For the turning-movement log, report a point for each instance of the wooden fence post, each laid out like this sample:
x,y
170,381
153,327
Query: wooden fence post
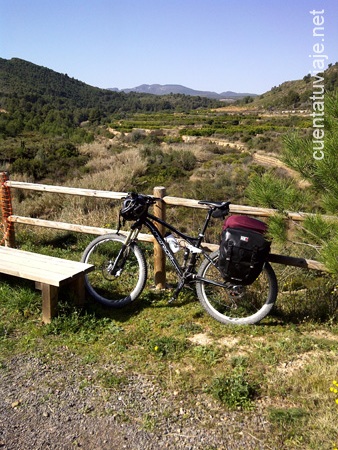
x,y
6,211
159,256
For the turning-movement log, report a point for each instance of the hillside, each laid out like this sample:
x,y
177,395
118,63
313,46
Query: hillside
x,y
296,93
27,87
20,77
45,115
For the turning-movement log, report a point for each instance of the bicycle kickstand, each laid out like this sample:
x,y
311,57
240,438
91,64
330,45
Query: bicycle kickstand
x,y
177,291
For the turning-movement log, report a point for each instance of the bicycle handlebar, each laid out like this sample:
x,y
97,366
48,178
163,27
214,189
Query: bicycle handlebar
x,y
220,209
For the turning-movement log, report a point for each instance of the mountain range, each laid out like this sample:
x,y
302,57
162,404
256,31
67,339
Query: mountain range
x,y
165,89
29,88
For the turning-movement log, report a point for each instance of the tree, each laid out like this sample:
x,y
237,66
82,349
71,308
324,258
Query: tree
x,y
322,174
320,169
292,98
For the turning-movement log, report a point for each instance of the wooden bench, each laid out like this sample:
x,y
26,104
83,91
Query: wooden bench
x,y
49,273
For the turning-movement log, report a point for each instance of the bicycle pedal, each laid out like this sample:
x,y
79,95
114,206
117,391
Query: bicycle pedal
x,y
173,298
190,287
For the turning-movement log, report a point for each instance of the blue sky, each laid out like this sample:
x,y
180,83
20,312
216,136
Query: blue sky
x,y
215,45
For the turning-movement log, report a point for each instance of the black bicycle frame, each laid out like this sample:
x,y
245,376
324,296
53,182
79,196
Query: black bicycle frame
x,y
195,242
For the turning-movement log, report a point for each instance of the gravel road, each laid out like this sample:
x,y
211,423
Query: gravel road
x,y
48,405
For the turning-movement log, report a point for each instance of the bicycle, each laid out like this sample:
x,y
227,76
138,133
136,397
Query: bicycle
x,y
121,270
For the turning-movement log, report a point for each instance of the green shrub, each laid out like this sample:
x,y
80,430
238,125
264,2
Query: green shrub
x,y
233,390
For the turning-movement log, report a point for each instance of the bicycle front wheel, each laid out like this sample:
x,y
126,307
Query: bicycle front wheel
x,y
118,287
232,304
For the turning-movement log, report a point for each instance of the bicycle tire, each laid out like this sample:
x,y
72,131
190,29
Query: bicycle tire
x,y
107,289
236,305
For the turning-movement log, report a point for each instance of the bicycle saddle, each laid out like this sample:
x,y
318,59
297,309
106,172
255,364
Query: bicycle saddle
x,y
219,205
221,209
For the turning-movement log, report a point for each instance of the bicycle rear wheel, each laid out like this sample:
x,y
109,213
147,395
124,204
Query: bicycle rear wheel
x,y
239,305
118,287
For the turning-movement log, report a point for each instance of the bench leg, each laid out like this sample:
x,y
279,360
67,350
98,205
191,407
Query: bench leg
x,y
49,301
79,291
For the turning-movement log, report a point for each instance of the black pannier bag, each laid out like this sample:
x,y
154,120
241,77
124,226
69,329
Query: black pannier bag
x,y
243,249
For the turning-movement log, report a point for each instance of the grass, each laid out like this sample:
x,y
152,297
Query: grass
x,y
281,369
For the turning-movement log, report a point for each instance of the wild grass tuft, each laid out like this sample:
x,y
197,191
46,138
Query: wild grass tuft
x,y
234,390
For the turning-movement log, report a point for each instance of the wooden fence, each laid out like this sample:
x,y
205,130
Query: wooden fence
x,y
9,219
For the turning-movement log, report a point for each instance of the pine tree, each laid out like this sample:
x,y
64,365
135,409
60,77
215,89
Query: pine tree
x,y
323,175
322,172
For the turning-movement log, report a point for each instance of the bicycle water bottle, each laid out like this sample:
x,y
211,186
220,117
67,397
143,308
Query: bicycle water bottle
x,y
172,242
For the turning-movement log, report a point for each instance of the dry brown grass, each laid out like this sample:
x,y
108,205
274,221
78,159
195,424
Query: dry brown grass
x,y
108,171
111,171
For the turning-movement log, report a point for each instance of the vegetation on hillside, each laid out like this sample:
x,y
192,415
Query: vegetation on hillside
x,y
45,115
297,94
35,98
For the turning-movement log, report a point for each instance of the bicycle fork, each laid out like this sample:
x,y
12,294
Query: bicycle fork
x,y
115,268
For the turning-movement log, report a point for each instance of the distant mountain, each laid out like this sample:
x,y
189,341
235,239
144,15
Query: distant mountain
x,y
166,89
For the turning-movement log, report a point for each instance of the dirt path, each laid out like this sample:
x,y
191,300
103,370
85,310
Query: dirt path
x,y
47,404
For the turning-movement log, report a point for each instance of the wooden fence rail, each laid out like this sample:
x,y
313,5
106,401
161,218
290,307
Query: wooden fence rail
x,y
9,219
160,192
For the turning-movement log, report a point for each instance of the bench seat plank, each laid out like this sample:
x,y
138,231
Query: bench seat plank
x,y
40,274
60,265
41,268
48,272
